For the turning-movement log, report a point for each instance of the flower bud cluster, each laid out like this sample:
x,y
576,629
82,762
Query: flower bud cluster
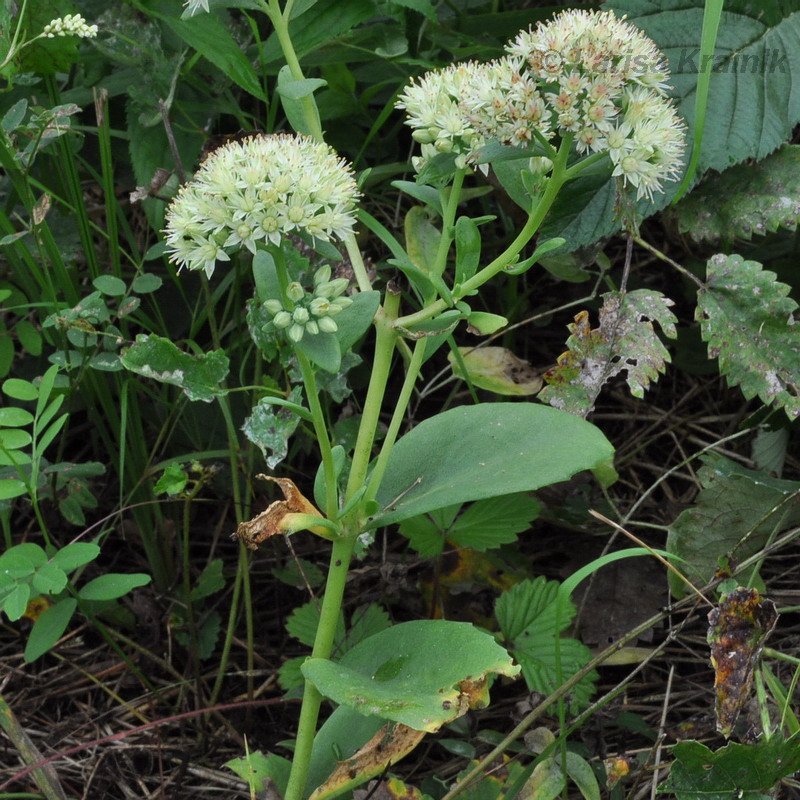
x,y
71,25
585,73
309,312
259,189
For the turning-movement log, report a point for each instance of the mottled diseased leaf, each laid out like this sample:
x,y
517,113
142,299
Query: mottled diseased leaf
x,y
737,630
625,341
270,427
198,376
391,743
531,621
497,369
735,513
739,771
745,199
751,325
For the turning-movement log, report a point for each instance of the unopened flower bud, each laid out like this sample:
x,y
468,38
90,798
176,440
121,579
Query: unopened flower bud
x,y
300,316
331,288
273,306
282,319
295,292
322,275
312,327
327,325
319,306
295,333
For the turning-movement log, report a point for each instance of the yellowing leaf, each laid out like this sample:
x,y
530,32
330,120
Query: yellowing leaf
x,y
498,370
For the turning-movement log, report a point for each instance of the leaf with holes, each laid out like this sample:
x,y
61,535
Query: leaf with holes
x,y
751,325
625,341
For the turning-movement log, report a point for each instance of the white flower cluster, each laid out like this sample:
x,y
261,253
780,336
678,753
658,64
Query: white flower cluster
x,y
259,189
310,312
71,25
584,73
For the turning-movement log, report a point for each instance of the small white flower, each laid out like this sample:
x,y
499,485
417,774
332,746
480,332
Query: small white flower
x,y
196,6
71,25
261,188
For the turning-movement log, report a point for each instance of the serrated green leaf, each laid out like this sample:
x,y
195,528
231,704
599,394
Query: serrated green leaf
x,y
624,341
755,64
303,621
531,620
210,37
743,771
494,522
158,358
298,573
735,513
270,427
210,580
366,621
745,199
172,480
423,535
751,325
48,628
290,675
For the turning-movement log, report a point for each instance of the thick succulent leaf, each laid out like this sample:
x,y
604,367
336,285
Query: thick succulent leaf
x,y
745,199
487,450
624,341
751,325
422,674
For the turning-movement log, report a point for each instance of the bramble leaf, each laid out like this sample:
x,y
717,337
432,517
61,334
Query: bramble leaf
x,y
735,513
745,199
743,771
625,340
751,325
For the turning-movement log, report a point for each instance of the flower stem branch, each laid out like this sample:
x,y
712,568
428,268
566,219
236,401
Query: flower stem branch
x,y
556,180
323,645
